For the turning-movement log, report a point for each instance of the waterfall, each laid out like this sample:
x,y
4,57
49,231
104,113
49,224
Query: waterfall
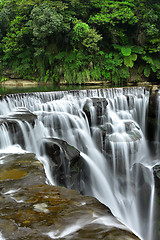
x,y
108,127
158,128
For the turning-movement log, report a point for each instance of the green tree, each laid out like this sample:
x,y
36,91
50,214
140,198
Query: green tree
x,y
115,17
16,46
148,30
85,37
45,21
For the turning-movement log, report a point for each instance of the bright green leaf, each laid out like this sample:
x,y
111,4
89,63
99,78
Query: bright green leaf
x,y
126,51
133,57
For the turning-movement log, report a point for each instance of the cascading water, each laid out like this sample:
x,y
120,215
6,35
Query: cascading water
x,y
158,128
108,128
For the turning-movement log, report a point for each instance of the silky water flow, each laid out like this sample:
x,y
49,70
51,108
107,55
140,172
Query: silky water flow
x,y
108,127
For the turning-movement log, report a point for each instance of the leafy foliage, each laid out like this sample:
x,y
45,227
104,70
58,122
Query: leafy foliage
x,y
85,37
77,41
45,21
126,51
114,12
129,60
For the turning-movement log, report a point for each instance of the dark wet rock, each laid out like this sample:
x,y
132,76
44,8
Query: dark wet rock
x,y
98,102
130,101
131,134
68,167
107,128
86,109
143,180
152,118
19,114
16,121
129,125
145,187
156,171
29,209
99,105
22,114
100,135
71,152
153,105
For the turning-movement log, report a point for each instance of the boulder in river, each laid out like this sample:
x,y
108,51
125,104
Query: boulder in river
x,y
99,105
68,167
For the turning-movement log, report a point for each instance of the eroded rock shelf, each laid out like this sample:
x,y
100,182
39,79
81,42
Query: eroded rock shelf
x,y
30,209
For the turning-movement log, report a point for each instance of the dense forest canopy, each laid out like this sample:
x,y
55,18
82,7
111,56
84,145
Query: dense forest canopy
x,y
79,41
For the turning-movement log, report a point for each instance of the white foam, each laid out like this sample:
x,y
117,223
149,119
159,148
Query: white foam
x,y
108,221
1,237
12,191
14,149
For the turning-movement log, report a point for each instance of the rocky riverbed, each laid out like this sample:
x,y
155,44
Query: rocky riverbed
x,y
31,209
